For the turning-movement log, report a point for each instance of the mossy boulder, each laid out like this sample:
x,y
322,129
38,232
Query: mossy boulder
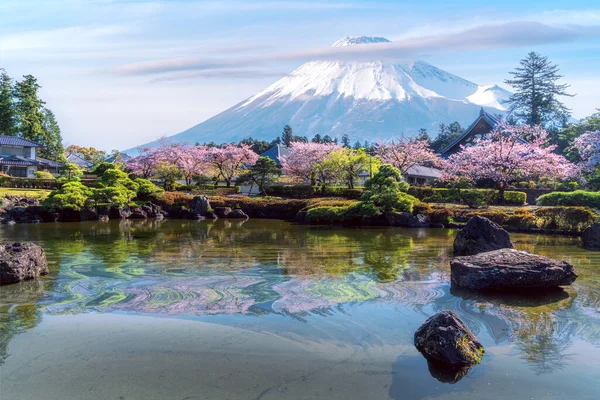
x,y
446,340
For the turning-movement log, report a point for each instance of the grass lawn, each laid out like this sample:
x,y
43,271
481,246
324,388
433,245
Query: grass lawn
x,y
40,193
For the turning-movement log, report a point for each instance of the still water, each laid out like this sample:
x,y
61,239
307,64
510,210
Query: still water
x,y
270,310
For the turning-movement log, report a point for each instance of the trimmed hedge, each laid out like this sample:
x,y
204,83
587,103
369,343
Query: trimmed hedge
x,y
308,191
351,214
444,195
578,198
29,183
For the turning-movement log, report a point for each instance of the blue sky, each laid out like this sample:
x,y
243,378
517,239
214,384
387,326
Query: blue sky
x,y
118,73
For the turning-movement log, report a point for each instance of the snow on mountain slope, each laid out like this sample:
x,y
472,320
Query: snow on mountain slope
x,y
366,100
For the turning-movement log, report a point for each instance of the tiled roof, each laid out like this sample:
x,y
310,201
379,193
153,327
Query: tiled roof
x,y
76,159
18,160
49,163
275,152
420,170
17,141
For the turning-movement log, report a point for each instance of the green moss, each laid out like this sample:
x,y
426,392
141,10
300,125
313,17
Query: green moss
x,y
464,346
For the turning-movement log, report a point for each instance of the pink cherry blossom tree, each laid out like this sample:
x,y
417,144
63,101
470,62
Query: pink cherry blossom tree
x,y
504,157
145,163
587,147
191,160
406,153
305,161
229,160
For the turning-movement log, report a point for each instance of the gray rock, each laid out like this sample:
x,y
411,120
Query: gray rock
x,y
200,205
237,213
510,269
591,236
445,339
480,235
222,212
407,220
21,261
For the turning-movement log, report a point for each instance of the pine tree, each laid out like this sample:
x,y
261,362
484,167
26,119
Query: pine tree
x,y
423,135
327,139
357,145
536,91
53,148
7,107
287,136
317,139
345,141
29,109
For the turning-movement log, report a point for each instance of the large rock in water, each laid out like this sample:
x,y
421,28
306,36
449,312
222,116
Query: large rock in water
x,y
200,205
21,261
445,339
510,269
591,236
480,235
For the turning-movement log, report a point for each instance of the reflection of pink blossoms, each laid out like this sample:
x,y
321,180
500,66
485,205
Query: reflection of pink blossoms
x,y
404,154
304,158
588,148
505,157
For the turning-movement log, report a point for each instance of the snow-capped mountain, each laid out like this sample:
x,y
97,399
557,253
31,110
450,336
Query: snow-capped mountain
x,y
366,100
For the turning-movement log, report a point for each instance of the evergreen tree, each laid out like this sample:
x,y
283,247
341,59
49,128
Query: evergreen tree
x,y
357,145
536,91
327,139
345,141
7,108
53,148
446,134
287,136
34,121
29,109
423,135
317,139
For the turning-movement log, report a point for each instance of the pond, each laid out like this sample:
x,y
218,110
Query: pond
x,y
266,309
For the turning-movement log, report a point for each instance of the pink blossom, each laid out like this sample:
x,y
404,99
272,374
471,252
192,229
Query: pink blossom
x,y
304,159
406,153
588,148
505,157
145,163
228,161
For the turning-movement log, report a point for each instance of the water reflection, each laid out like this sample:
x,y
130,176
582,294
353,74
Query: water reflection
x,y
257,268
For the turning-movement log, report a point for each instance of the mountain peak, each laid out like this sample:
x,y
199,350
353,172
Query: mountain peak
x,y
352,40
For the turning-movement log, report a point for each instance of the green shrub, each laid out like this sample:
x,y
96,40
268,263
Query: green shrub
x,y
440,215
515,198
452,195
565,219
294,192
148,190
421,208
495,216
44,175
473,198
118,195
326,215
387,191
579,198
72,195
348,214
522,219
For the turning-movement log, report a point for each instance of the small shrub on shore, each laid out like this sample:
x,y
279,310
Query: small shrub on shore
x,y
73,195
565,219
578,198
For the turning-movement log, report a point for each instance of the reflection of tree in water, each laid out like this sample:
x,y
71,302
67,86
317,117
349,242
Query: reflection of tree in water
x,y
541,324
18,311
543,342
